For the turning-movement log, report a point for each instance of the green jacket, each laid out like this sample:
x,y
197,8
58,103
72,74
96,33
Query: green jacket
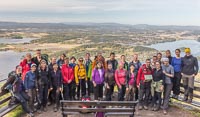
x,y
89,70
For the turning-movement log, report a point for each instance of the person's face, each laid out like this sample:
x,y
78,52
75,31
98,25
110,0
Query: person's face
x,y
177,53
33,68
53,60
187,53
43,64
148,63
55,67
121,66
154,59
135,57
168,54
166,62
110,66
28,57
159,56
99,65
38,53
66,61
19,70
87,56
112,56
157,65
62,57
132,68
123,58
80,61
73,60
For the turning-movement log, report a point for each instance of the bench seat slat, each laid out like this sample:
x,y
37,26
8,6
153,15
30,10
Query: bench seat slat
x,y
98,109
7,109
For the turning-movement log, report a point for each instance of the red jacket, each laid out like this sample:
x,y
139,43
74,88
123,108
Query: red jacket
x,y
143,71
25,67
120,77
67,73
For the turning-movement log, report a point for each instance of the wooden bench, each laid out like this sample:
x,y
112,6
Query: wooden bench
x,y
114,108
5,97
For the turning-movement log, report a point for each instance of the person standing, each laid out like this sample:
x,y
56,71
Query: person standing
x,y
38,57
168,71
144,84
169,56
88,67
120,79
109,82
60,61
73,86
112,61
189,70
159,57
26,65
80,78
98,75
176,63
30,84
56,85
68,77
137,65
123,60
131,83
43,82
157,86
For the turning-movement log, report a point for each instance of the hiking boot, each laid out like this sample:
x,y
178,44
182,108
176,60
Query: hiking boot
x,y
45,109
39,111
49,104
145,107
185,99
55,109
189,101
157,108
164,112
140,107
176,97
30,115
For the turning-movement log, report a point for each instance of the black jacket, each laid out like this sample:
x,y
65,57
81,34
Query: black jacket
x,y
110,77
56,79
43,77
189,65
114,63
158,75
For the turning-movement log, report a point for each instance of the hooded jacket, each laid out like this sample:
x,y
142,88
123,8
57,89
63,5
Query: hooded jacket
x,y
80,72
25,67
189,65
142,72
96,77
67,73
120,77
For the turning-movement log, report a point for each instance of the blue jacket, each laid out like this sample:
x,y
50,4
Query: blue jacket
x,y
30,80
176,63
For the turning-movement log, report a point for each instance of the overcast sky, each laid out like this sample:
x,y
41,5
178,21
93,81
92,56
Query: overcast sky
x,y
158,12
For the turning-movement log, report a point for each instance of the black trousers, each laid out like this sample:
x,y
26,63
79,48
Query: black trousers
x,y
176,83
157,96
67,91
43,92
121,93
109,92
90,88
56,96
98,91
22,98
144,93
81,87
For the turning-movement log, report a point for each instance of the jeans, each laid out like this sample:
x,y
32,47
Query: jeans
x,y
121,93
32,96
157,97
176,83
56,95
22,98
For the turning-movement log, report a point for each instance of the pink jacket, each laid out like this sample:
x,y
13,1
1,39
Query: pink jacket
x,y
120,77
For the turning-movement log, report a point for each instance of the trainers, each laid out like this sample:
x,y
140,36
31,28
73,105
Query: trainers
x,y
55,109
157,108
140,107
49,103
164,112
30,115
176,97
39,111
185,99
145,107
45,109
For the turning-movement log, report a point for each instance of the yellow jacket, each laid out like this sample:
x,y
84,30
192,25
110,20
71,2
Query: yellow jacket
x,y
80,73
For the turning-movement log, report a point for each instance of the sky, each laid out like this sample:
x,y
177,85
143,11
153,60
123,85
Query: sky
x,y
154,12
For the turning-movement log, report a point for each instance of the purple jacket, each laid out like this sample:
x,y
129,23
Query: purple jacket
x,y
96,76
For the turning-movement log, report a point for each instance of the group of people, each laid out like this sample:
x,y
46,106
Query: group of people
x,y
34,79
